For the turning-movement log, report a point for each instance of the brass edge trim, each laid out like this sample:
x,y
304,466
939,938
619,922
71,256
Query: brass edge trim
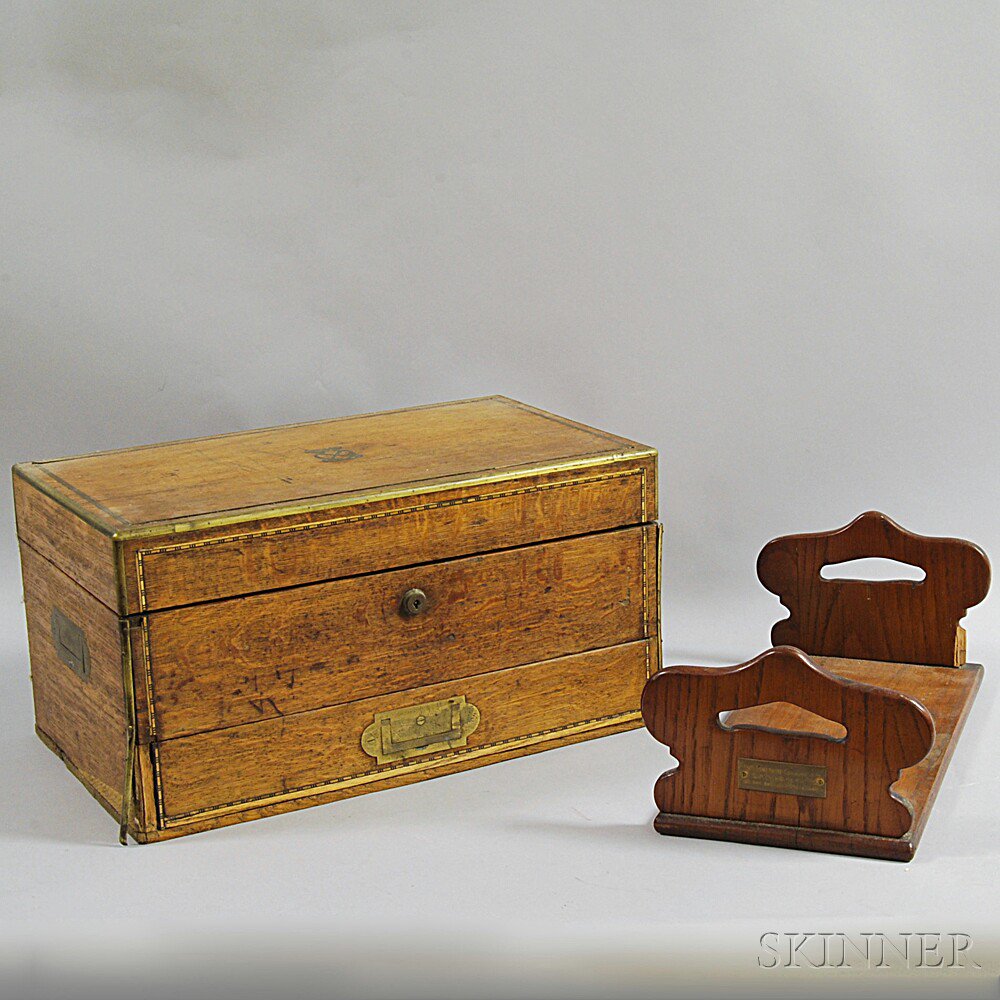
x,y
333,501
538,487
376,774
354,518
569,422
128,693
659,596
629,449
264,430
121,584
645,590
109,514
517,404
31,476
85,779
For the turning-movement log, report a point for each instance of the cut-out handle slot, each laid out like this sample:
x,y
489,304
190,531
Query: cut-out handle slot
x,y
866,736
783,719
836,609
873,570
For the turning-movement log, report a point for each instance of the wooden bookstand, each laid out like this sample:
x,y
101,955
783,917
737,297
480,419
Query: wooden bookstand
x,y
866,688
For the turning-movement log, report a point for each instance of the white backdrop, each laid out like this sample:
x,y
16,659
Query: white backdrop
x,y
763,238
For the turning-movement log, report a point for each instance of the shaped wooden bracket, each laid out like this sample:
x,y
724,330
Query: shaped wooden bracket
x,y
758,773
898,620
839,742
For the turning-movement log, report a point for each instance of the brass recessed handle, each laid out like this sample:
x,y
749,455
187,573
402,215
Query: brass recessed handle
x,y
413,730
414,603
71,644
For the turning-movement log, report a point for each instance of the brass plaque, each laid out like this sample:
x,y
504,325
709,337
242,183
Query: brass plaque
x,y
419,729
71,644
782,778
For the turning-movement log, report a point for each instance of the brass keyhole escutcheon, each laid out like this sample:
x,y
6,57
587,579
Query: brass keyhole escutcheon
x,y
414,602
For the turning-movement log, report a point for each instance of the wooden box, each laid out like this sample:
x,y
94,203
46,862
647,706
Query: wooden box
x,y
230,627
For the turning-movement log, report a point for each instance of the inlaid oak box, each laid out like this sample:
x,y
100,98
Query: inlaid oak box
x,y
231,627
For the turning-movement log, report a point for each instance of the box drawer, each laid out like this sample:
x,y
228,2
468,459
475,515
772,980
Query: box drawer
x,y
216,563
217,626
317,756
270,655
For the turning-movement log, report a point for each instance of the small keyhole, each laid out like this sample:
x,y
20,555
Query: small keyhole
x,y
413,603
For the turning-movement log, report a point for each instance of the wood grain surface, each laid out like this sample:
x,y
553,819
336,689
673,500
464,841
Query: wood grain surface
x,y
900,620
886,732
801,838
366,535
326,793
181,480
289,762
82,719
253,582
288,651
79,549
946,693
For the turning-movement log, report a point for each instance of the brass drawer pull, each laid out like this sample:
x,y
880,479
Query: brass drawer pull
x,y
420,729
414,603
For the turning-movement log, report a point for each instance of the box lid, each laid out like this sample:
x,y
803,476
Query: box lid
x,y
306,465
284,478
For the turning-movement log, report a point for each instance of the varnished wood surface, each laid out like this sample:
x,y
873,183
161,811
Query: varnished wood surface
x,y
244,567
439,768
898,621
947,694
886,732
83,552
285,763
83,718
795,837
887,665
182,480
288,651
101,793
264,554
781,717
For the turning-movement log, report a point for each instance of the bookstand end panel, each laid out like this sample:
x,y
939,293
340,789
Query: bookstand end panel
x,y
835,741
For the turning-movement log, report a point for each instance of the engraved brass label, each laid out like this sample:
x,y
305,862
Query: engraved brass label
x,y
420,729
335,454
782,778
